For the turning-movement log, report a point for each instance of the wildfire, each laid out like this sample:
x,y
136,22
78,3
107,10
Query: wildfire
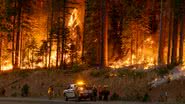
x,y
72,24
7,67
74,19
145,60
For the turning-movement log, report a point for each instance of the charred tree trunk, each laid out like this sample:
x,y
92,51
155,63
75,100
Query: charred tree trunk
x,y
58,49
46,54
181,40
18,34
51,34
104,35
58,43
21,46
131,50
160,53
137,45
13,39
174,36
174,42
84,32
169,34
50,49
63,36
32,58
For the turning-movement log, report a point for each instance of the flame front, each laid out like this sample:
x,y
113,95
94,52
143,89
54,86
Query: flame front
x,y
146,58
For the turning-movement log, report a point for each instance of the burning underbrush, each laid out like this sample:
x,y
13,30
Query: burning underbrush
x,y
144,57
43,57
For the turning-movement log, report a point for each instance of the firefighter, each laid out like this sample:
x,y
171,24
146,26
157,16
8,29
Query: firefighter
x,y
2,91
50,92
100,95
105,93
94,93
163,95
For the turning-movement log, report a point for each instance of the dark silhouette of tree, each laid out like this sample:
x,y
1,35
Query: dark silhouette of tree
x,y
182,15
160,48
104,34
170,32
176,5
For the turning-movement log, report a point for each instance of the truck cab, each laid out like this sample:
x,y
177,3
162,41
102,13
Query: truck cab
x,y
77,92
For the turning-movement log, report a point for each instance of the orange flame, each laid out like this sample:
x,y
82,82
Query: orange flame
x,y
74,19
6,66
146,59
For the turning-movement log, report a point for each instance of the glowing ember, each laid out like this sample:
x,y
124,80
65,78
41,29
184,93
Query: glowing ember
x,y
7,67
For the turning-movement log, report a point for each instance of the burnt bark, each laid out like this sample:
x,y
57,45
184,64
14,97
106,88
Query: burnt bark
x,y
181,40
160,48
17,51
63,36
58,39
51,34
174,40
169,34
13,39
104,36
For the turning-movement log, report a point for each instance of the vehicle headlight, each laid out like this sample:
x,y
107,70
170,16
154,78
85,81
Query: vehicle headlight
x,y
81,88
80,83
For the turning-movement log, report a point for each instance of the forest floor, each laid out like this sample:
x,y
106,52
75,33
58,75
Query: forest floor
x,y
128,85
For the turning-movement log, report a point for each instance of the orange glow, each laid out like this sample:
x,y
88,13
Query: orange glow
x,y
145,60
7,67
38,32
80,82
74,19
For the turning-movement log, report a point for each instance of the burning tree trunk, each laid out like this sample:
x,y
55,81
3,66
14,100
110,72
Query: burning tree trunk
x,y
18,34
